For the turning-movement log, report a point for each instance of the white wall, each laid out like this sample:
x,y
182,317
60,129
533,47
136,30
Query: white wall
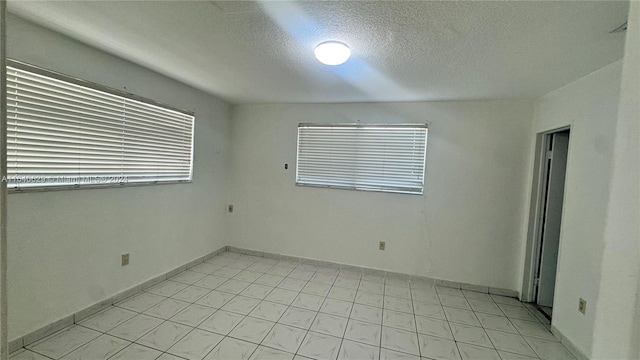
x,y
589,105
467,227
65,246
617,322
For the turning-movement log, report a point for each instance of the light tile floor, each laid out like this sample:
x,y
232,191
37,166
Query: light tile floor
x,y
237,306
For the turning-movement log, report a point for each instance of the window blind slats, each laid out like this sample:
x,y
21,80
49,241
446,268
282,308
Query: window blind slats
x,y
375,158
72,121
27,108
102,149
63,134
85,138
92,98
44,128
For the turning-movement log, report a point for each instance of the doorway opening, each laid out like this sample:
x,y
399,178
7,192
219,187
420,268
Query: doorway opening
x,y
546,219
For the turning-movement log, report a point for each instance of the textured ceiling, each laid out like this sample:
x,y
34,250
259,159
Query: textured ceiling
x,y
247,52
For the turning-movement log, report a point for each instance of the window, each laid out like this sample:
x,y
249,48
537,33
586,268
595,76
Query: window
x,y
64,132
388,158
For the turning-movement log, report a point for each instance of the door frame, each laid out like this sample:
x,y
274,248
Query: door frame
x,y
4,348
536,211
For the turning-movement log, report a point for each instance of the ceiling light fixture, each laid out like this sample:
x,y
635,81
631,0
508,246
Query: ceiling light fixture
x,y
332,52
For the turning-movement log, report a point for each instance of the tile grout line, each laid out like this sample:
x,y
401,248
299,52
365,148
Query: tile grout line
x,y
348,316
290,306
493,347
318,312
415,321
384,291
314,318
326,296
276,322
191,303
483,329
245,316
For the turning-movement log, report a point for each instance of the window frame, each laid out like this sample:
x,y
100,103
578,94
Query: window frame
x,y
361,125
95,86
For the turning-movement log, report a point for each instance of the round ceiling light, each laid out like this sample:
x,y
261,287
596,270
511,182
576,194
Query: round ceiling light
x,y
332,52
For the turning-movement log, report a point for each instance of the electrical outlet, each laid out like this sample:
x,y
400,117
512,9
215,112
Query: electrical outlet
x,y
230,208
381,246
582,305
125,259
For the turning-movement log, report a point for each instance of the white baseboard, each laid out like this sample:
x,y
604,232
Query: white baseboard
x,y
367,270
568,344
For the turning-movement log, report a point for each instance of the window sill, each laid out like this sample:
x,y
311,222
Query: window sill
x,y
92,187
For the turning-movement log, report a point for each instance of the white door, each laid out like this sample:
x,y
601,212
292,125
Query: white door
x,y
550,240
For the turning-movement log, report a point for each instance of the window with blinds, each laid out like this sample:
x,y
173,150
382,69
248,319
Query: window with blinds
x,y
63,132
388,158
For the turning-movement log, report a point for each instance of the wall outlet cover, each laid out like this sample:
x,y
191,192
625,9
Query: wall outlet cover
x,y
230,208
582,305
125,259
382,245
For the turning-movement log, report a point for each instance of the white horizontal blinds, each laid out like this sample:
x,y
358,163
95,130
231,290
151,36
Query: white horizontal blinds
x,y
378,158
63,134
157,143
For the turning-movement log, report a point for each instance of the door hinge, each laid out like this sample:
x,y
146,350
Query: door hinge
x,y
536,281
549,155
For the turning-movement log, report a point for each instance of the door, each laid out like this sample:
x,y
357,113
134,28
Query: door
x,y
556,166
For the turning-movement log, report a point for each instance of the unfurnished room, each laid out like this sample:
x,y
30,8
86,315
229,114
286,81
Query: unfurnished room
x,y
319,180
